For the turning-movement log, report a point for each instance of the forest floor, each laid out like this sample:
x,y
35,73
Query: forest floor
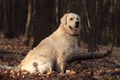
x,y
12,51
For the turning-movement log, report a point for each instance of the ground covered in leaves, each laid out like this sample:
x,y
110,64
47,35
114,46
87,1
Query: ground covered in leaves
x,y
12,51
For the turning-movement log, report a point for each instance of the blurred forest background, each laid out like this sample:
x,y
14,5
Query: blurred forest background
x,y
24,23
39,18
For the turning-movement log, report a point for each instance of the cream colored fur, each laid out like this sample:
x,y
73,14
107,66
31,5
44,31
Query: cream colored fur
x,y
53,51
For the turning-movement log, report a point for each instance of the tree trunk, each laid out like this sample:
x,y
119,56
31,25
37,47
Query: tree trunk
x,y
92,35
28,23
1,15
8,29
43,20
21,16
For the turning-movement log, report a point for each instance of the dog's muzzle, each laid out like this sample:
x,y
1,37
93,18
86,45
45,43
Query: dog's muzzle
x,y
76,27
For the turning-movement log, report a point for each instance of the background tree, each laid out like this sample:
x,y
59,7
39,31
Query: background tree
x,y
43,19
1,14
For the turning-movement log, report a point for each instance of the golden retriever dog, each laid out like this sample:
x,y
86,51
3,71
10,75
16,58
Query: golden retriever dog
x,y
54,51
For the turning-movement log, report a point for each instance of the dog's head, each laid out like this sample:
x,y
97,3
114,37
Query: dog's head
x,y
71,23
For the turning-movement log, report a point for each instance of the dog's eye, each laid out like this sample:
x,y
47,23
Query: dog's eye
x,y
77,19
71,18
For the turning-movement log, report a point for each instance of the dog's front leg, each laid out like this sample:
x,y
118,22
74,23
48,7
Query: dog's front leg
x,y
61,64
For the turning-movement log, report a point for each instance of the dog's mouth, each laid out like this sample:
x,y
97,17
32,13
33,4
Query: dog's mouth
x,y
75,28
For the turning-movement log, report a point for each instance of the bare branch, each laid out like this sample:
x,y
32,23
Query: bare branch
x,y
89,55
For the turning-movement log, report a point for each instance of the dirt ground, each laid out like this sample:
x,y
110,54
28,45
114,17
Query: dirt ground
x,y
12,51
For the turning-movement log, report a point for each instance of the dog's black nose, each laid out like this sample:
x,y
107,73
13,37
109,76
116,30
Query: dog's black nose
x,y
77,24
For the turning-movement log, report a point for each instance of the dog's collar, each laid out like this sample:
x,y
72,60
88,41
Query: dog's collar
x,y
63,29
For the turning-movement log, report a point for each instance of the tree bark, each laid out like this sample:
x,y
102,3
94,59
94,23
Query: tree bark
x,y
88,55
30,17
43,20
1,15
28,23
92,35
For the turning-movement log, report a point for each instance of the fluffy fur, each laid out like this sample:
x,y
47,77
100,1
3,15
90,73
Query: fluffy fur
x,y
54,51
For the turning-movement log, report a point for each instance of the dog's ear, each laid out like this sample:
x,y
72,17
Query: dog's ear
x,y
64,19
